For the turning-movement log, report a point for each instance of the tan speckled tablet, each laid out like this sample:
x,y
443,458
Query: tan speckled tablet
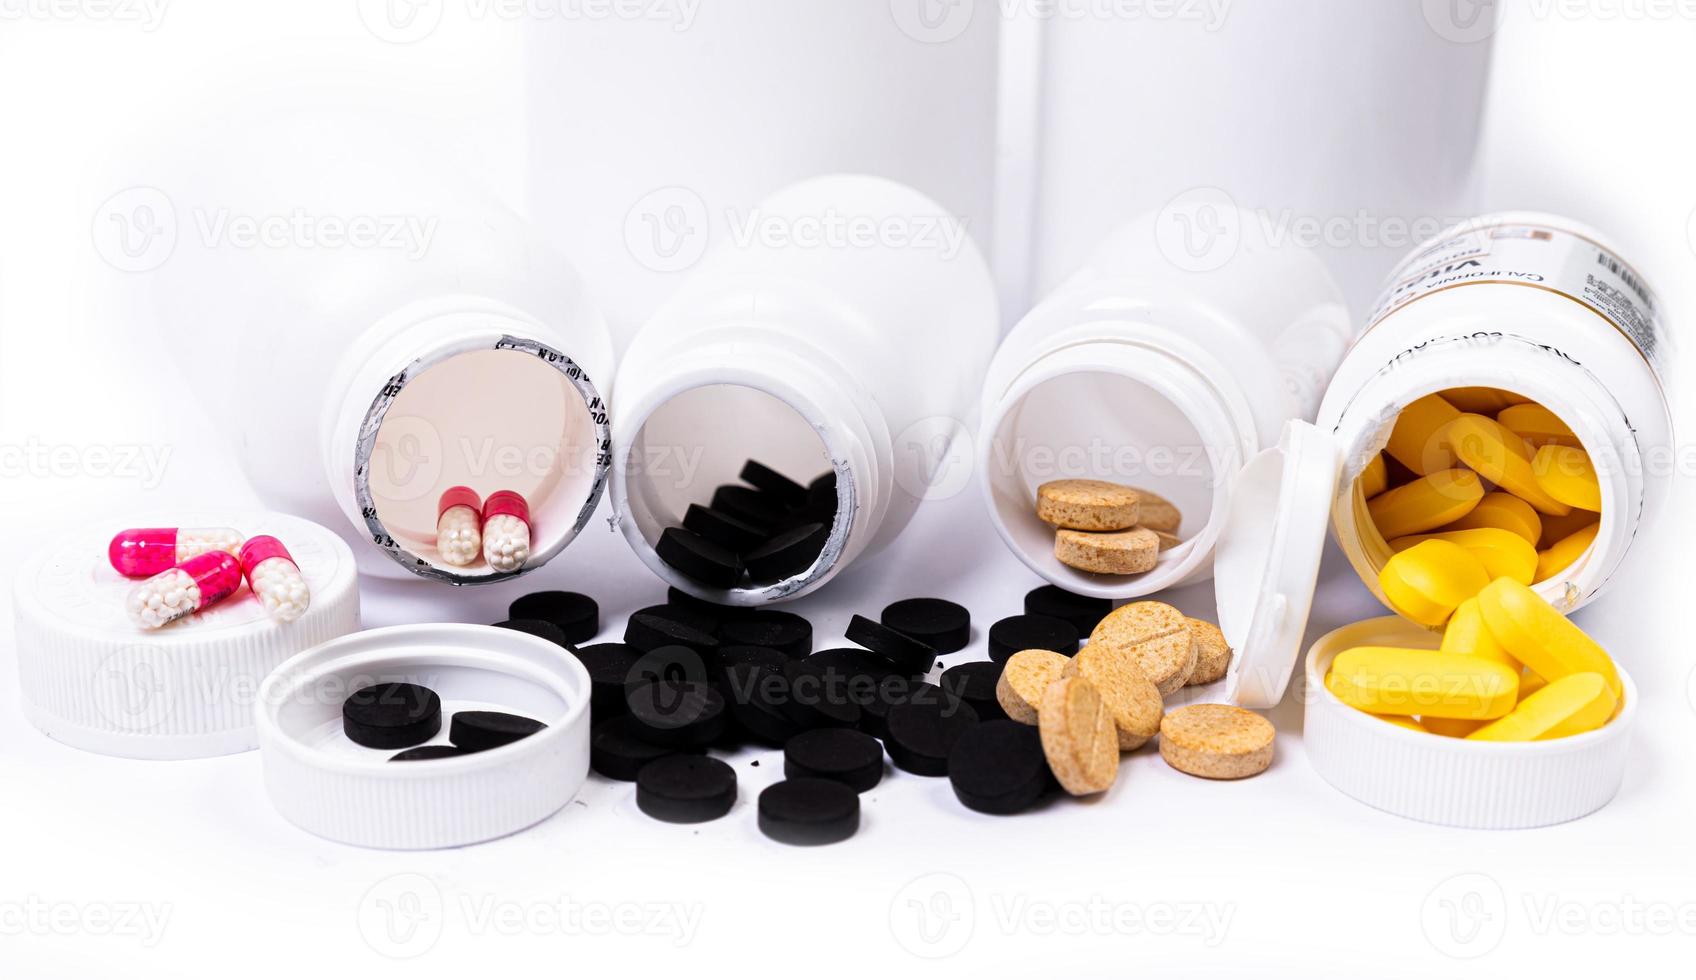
x,y
1168,540
1111,553
1156,512
1087,505
1078,737
1212,653
1128,693
1157,636
1216,741
1024,679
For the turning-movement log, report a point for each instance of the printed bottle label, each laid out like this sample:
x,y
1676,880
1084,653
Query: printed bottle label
x,y
1536,255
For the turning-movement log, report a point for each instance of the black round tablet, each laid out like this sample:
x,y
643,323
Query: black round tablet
x,y
751,505
421,753
577,615
477,731
700,559
891,691
998,767
619,748
1009,636
788,553
1082,611
774,484
852,758
711,612
539,628
778,630
974,683
743,655
681,713
724,529
809,811
821,498
817,700
395,715
945,626
921,734
759,699
909,656
609,666
673,664
650,630
829,688
686,789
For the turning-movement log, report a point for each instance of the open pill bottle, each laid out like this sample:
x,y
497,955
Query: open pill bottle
x,y
1175,355
397,334
1512,309
856,352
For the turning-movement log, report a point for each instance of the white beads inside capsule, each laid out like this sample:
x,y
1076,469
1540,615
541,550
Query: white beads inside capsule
x,y
459,536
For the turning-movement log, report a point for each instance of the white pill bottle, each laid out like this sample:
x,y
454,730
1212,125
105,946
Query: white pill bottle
x,y
396,334
1531,304
1172,357
847,333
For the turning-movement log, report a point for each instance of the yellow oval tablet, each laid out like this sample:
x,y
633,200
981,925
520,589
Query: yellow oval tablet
x,y
1568,475
1559,556
1541,638
1427,581
1484,401
1417,441
1537,425
1400,681
1557,529
1467,636
1576,703
1452,727
1530,682
1375,479
1503,458
1502,552
1425,504
1501,509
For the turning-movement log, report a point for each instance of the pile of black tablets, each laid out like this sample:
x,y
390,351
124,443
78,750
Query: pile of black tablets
x,y
763,530
400,715
690,677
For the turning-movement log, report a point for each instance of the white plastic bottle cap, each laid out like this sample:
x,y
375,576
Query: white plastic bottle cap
x,y
327,784
1265,574
92,679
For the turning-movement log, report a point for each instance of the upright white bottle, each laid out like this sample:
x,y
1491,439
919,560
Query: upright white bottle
x,y
1165,363
857,318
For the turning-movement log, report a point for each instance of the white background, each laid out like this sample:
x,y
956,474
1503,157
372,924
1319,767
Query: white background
x,y
1588,114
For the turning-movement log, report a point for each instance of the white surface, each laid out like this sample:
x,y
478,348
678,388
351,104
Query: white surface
x,y
1310,882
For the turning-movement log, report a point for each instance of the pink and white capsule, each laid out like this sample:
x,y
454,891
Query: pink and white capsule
x,y
459,526
506,531
186,588
138,552
275,578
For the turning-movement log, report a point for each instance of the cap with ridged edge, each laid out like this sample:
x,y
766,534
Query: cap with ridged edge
x,y
94,680
324,783
1455,782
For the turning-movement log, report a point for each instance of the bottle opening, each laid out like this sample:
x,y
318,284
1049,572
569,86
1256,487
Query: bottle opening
x,y
1480,459
730,493
1102,425
517,418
